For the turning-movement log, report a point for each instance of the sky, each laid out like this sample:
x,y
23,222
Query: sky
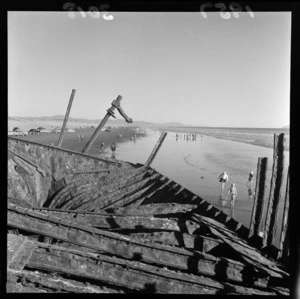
x,y
167,66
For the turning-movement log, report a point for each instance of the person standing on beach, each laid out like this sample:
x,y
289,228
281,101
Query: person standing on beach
x,y
223,178
102,146
232,192
251,175
78,138
113,149
82,137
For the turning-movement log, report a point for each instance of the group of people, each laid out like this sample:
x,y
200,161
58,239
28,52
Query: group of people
x,y
232,191
80,138
187,137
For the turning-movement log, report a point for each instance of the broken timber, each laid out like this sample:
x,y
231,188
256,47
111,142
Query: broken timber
x,y
258,205
156,149
61,136
275,189
78,223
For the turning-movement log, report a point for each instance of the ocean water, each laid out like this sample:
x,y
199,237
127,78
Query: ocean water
x,y
197,164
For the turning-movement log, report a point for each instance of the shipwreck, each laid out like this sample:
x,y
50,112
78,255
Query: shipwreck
x,y
78,223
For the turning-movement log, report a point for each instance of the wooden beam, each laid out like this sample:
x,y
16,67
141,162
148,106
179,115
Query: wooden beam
x,y
283,244
275,189
110,112
66,119
258,204
156,149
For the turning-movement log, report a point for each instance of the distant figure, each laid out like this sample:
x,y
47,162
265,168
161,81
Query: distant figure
x,y
78,138
232,192
102,146
82,137
251,193
223,178
251,175
113,149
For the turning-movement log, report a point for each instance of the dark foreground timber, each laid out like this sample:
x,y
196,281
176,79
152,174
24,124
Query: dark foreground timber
x,y
81,224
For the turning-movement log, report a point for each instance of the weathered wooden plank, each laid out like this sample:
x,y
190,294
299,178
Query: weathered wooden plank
x,y
129,274
102,200
114,180
115,221
19,250
275,189
61,136
152,209
246,252
129,193
156,149
258,204
130,248
283,244
114,274
198,242
130,196
55,283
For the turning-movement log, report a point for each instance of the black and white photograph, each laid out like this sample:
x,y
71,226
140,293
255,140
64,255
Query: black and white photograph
x,y
149,151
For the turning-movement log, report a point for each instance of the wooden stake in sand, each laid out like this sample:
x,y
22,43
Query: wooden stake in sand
x,y
156,149
258,204
283,244
66,119
275,189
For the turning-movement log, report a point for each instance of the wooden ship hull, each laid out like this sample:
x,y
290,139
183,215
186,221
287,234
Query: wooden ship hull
x,y
78,223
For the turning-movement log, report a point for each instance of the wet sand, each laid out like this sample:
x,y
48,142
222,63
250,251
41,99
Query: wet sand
x,y
260,137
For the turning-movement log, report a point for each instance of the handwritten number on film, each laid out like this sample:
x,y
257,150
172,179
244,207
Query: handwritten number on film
x,y
93,11
235,7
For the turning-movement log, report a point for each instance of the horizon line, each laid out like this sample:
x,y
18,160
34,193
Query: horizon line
x,y
180,124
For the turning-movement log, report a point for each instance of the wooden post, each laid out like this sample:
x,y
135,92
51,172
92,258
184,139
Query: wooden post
x,y
156,148
283,244
66,119
258,204
109,113
275,189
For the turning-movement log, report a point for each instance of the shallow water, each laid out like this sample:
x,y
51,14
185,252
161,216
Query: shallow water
x,y
197,164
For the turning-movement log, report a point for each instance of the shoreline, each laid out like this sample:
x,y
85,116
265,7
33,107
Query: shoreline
x,y
258,139
71,142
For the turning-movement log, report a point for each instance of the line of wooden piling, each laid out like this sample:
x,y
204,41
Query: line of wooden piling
x,y
258,204
66,119
275,189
